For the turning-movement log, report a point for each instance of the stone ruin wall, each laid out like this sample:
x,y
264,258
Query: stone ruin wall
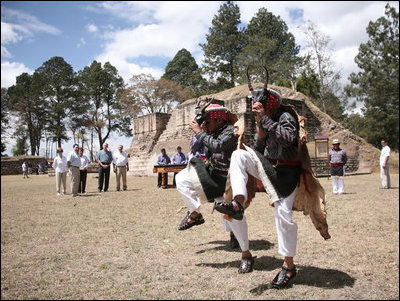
x,y
175,130
13,165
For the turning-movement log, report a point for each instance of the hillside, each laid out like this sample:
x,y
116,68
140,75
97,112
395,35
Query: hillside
x,y
355,146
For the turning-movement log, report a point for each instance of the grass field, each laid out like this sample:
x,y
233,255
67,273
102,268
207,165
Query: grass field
x,y
125,245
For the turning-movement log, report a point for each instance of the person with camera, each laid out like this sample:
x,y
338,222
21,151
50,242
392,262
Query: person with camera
x,y
205,176
273,161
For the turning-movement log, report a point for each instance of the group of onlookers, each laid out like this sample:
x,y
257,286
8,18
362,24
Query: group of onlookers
x,y
76,163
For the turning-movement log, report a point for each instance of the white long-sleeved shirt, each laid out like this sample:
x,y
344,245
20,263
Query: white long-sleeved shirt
x,y
60,164
385,152
84,162
120,158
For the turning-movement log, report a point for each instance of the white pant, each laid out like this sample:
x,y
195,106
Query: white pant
x,y
240,229
385,177
186,188
338,184
243,164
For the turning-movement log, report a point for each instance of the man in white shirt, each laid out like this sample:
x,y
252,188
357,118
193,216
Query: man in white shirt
x,y
384,164
24,170
121,167
74,163
60,168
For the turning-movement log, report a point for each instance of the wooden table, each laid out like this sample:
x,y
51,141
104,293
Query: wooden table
x,y
165,169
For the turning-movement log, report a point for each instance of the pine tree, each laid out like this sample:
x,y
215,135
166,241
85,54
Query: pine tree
x,y
268,43
224,43
377,84
184,70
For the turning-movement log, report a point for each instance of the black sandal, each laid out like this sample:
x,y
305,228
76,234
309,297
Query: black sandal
x,y
227,208
246,266
198,220
282,279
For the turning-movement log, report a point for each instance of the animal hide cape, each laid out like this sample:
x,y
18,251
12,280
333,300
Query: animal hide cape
x,y
310,195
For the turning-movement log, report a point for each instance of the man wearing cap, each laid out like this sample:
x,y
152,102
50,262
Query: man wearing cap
x,y
274,161
205,176
337,159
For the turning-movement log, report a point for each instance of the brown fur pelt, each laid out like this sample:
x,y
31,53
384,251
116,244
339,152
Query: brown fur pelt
x,y
310,195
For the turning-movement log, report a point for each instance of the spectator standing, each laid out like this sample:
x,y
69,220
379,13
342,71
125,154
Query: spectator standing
x,y
163,159
337,158
74,163
83,170
121,167
178,158
104,158
384,164
25,170
60,169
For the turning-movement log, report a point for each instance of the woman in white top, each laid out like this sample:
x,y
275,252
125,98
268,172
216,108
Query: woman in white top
x,y
60,168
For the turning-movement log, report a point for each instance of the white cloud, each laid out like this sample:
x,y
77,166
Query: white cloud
x,y
81,42
175,25
91,28
165,27
23,26
10,71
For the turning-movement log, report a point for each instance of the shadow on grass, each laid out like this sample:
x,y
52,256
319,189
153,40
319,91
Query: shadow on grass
x,y
312,276
262,263
255,245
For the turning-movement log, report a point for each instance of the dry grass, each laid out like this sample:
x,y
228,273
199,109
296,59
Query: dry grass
x,y
125,245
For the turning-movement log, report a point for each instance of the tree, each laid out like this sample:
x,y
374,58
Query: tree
x,y
20,148
184,70
268,43
147,95
4,117
57,83
100,89
308,83
29,109
322,62
224,43
377,84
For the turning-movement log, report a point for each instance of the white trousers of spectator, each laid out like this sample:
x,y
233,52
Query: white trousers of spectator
x,y
242,164
61,178
338,184
75,176
189,195
385,177
121,172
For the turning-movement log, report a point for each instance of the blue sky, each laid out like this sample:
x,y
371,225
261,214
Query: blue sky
x,y
143,36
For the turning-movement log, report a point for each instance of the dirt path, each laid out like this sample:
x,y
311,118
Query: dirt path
x,y
125,245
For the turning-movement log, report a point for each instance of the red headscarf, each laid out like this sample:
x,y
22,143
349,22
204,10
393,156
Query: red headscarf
x,y
216,111
274,101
